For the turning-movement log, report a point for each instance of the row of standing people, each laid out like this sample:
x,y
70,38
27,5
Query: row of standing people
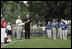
x,y
6,29
57,29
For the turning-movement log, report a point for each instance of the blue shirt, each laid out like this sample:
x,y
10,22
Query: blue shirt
x,y
49,26
64,27
60,24
54,24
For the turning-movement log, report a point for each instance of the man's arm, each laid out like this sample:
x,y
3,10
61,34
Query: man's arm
x,y
27,21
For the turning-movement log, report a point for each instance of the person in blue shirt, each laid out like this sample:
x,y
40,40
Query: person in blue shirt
x,y
64,30
54,25
60,23
49,30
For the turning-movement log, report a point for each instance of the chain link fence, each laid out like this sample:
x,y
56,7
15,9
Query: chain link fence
x,y
38,31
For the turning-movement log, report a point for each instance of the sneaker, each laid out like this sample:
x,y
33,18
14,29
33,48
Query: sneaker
x,y
10,40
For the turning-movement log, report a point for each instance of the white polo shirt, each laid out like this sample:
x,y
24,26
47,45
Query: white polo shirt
x,y
8,27
19,22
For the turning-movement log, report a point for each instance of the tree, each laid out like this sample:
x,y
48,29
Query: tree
x,y
51,9
11,9
45,10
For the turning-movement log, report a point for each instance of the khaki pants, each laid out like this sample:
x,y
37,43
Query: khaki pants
x,y
18,31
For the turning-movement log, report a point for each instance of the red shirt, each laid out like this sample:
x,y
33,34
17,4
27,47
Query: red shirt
x,y
3,24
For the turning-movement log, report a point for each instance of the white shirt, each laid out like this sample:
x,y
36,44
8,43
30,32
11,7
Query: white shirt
x,y
8,27
19,22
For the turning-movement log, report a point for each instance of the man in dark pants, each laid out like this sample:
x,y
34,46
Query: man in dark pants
x,y
27,27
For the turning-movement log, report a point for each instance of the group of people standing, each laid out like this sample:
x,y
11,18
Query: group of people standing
x,y
19,27
57,29
54,29
6,29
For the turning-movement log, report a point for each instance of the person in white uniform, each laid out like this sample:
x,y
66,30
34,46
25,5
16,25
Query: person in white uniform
x,y
60,23
64,31
49,30
54,25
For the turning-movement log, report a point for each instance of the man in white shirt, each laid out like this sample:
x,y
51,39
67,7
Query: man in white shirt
x,y
19,27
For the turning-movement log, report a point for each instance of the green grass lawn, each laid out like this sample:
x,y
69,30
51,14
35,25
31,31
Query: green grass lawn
x,y
40,42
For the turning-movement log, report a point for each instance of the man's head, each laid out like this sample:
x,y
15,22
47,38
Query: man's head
x,y
48,22
61,19
53,20
27,15
18,17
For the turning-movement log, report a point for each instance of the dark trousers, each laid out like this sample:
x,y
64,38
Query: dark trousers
x,y
27,34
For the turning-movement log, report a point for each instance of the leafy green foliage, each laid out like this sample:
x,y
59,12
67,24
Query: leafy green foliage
x,y
45,10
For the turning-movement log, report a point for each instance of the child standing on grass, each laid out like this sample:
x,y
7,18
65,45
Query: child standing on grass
x,y
9,33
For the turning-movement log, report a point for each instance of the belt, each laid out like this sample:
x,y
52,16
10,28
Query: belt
x,y
19,25
3,27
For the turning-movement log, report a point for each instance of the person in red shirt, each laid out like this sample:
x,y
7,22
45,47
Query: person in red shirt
x,y
3,31
3,23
